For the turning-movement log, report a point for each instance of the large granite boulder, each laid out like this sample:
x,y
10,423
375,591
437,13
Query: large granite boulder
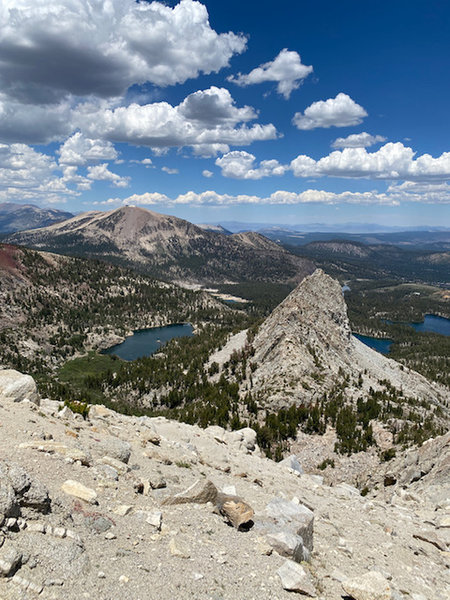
x,y
15,387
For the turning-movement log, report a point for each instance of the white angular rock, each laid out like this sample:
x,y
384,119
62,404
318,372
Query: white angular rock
x,y
294,578
444,522
289,545
123,510
9,559
347,490
66,413
150,437
78,490
15,387
245,436
296,518
200,492
118,465
291,462
154,519
177,549
370,586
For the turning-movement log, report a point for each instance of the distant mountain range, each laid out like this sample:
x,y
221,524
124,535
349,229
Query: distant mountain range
x,y
168,247
18,217
346,259
435,241
350,227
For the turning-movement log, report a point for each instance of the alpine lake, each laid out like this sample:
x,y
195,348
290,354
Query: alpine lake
x,y
145,342
431,323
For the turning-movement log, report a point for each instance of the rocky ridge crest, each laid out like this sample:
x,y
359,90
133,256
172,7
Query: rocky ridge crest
x,y
306,343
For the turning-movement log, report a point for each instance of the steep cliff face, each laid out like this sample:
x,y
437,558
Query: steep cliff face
x,y
306,345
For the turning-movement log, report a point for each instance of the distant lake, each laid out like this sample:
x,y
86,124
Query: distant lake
x,y
430,323
145,342
381,345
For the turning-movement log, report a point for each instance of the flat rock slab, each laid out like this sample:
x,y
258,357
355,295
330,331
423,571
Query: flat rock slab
x,y
370,586
78,490
199,492
119,466
75,454
294,578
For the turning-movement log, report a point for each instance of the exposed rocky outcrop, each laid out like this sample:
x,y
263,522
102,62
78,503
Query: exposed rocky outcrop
x,y
424,472
306,343
107,528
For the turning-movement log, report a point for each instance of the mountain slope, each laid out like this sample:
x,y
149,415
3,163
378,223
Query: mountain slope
x,y
305,346
18,217
168,247
52,307
355,259
127,544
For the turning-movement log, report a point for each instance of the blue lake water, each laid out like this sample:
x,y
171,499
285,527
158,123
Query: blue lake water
x,y
430,323
145,342
381,345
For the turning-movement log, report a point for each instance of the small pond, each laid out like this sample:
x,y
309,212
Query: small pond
x,y
145,342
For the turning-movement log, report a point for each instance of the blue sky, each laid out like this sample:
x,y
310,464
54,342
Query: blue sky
x,y
277,112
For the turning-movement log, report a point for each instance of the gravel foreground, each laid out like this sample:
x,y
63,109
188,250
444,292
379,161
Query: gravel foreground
x,y
84,513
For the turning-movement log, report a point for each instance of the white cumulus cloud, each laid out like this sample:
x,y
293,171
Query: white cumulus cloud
x,y
26,174
102,47
393,197
341,111
102,173
393,161
56,55
280,197
358,140
34,124
161,125
286,70
79,150
241,165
